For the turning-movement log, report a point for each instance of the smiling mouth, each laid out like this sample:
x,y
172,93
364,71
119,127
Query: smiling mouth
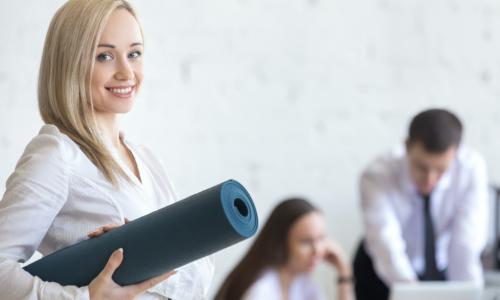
x,y
122,91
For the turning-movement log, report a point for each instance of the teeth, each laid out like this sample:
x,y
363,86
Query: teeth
x,y
121,91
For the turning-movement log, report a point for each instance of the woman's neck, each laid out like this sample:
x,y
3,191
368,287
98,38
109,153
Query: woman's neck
x,y
110,127
286,277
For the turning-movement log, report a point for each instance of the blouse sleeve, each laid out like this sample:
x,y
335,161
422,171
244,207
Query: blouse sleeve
x,y
34,195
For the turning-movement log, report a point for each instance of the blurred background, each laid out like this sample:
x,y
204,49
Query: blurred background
x,y
289,97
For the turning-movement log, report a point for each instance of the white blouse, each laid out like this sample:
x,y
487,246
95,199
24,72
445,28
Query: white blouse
x,y
268,286
56,196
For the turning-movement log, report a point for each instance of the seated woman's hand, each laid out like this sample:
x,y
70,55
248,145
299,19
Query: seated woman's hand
x,y
335,255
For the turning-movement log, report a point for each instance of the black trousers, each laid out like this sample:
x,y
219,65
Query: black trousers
x,y
368,286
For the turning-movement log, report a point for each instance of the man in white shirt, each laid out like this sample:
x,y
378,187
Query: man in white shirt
x,y
424,208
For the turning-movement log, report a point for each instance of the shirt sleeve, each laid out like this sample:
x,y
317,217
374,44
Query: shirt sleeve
x,y
469,229
383,241
34,195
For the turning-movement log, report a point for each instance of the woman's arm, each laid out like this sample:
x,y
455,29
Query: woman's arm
x,y
34,195
336,257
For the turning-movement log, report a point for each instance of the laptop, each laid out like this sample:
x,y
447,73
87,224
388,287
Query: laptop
x,y
436,291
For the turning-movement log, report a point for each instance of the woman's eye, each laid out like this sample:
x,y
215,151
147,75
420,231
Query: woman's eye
x,y
135,54
104,57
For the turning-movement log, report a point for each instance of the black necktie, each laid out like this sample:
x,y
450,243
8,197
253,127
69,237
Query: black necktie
x,y
431,271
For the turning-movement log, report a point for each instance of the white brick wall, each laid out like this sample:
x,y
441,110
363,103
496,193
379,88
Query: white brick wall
x,y
288,96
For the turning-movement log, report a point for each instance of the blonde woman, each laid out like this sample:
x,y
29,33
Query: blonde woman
x,y
80,173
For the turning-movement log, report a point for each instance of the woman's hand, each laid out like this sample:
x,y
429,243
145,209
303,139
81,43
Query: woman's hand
x,y
103,286
336,257
105,228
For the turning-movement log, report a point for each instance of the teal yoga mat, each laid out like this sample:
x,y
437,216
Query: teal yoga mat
x,y
161,241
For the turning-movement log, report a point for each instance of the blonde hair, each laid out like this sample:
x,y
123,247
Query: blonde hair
x,y
64,83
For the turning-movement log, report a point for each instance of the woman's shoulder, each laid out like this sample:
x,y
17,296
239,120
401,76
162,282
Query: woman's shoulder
x,y
45,158
267,286
51,144
305,287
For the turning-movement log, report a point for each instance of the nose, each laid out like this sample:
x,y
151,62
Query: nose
x,y
315,248
124,70
431,178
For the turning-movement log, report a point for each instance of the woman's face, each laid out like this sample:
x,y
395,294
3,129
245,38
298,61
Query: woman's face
x,y
306,243
117,74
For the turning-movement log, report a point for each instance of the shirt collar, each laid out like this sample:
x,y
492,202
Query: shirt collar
x,y
109,144
408,185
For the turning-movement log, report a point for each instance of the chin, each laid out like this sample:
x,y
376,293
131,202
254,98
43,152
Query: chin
x,y
310,268
124,111
425,191
122,108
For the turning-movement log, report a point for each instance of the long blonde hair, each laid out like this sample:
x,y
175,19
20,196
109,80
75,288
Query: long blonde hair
x,y
64,83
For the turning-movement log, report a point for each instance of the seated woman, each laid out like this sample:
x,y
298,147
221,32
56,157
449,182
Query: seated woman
x,y
289,247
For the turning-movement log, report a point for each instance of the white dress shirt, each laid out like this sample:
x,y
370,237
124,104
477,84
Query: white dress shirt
x,y
268,286
56,195
394,220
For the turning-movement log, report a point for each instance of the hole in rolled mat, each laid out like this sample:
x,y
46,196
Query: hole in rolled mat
x,y
241,207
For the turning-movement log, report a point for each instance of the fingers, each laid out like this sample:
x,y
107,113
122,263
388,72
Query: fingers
x,y
95,233
333,252
113,263
103,229
147,284
336,256
334,247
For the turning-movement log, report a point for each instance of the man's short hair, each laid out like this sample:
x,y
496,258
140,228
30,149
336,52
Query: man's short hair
x,y
436,129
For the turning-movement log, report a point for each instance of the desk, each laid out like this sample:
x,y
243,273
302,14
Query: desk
x,y
491,285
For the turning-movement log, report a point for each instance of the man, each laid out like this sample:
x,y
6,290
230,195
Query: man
x,y
424,208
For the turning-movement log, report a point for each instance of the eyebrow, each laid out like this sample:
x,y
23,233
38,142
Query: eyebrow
x,y
113,46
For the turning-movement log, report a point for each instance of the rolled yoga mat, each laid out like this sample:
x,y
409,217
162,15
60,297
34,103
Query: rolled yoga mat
x,y
160,241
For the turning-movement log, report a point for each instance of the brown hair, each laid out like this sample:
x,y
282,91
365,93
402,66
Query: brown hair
x,y
436,129
270,248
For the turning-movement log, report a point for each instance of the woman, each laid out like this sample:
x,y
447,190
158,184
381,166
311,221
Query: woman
x,y
288,248
80,173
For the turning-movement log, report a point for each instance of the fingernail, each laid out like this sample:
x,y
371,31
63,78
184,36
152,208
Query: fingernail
x,y
121,250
